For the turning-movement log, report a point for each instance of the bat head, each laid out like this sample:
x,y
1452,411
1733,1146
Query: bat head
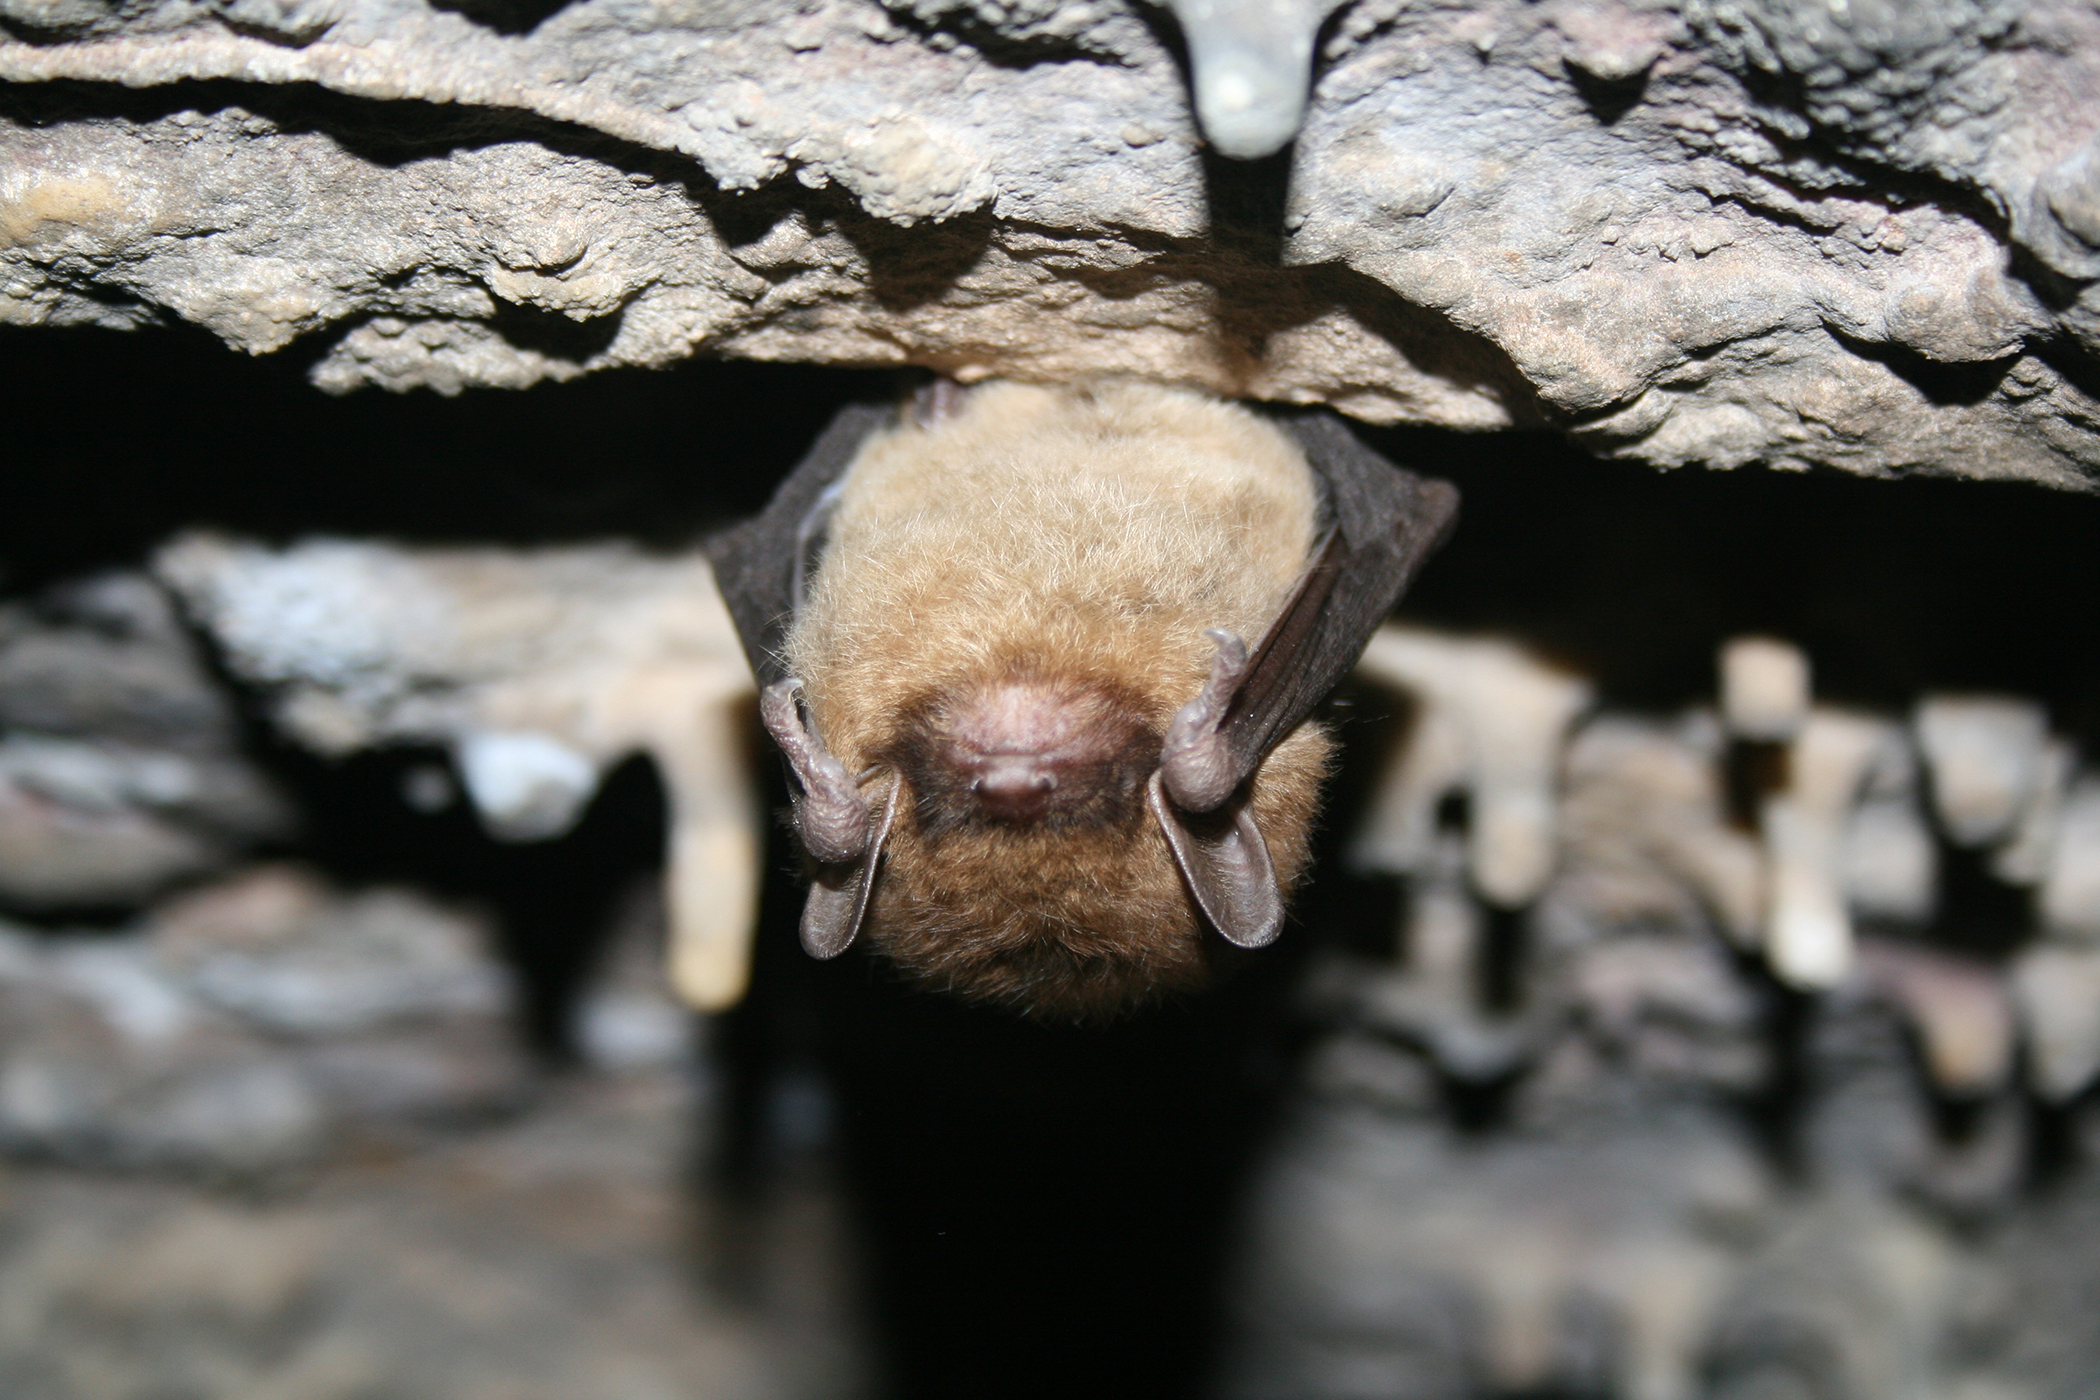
x,y
1008,608
1036,763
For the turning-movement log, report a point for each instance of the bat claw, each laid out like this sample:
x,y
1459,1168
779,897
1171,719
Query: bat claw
x,y
831,814
1195,760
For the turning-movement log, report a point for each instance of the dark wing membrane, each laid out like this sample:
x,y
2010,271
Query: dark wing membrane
x,y
1385,523
756,563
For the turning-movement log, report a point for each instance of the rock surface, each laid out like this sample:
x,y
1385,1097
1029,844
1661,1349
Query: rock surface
x,y
121,770
538,668
1598,1151
246,1027
549,1258
1718,231
1643,1255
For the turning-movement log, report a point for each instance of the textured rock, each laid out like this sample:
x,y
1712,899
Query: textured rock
x,y
105,658
1669,843
1655,1262
107,1061
1720,231
245,1025
1390,1258
1611,1230
1492,724
539,669
1632,1242
1986,755
119,770
553,1257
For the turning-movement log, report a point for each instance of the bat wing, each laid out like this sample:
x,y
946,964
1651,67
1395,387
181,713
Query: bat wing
x,y
1383,524
759,567
1386,522
759,564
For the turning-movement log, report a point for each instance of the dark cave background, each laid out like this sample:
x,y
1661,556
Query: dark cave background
x,y
1043,1210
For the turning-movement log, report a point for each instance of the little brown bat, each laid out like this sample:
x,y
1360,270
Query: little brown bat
x,y
1001,640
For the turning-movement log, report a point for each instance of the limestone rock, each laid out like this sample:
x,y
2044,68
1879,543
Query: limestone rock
x,y
556,1256
120,772
1388,1257
1715,231
243,1026
539,669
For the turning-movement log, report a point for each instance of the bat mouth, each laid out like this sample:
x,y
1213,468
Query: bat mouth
x,y
1026,753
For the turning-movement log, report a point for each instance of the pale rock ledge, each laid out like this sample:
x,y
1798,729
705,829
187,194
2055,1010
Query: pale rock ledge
x,y
1718,231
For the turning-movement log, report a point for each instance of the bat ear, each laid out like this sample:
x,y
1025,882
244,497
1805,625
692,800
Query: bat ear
x,y
838,897
1227,867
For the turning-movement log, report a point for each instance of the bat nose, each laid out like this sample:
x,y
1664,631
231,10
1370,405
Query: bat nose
x,y
1028,753
1013,787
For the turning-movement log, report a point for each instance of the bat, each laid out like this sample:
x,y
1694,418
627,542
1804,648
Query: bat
x,y
1000,636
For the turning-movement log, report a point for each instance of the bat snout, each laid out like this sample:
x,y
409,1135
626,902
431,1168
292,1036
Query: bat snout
x,y
1028,753
1014,787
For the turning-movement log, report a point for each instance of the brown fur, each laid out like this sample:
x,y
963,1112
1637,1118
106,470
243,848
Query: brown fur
x,y
1080,540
